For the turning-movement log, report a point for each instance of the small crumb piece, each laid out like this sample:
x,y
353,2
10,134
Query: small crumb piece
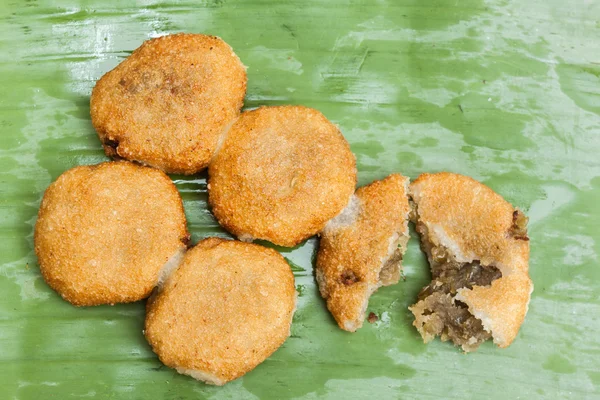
x,y
518,230
348,278
372,318
186,240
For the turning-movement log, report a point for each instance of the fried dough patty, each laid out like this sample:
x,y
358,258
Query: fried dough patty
x,y
362,248
478,250
281,174
169,102
223,311
104,232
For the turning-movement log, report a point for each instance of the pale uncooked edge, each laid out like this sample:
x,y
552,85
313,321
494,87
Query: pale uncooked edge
x,y
169,267
223,136
202,376
246,237
347,216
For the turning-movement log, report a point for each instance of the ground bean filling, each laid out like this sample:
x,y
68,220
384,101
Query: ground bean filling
x,y
388,275
437,312
390,272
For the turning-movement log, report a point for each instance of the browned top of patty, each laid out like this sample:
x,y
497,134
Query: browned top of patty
x,y
169,102
226,309
281,174
355,245
104,232
475,223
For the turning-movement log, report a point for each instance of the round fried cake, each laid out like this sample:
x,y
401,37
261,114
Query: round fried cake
x,y
281,174
104,232
169,102
223,311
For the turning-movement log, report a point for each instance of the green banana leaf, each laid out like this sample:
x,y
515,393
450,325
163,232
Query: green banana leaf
x,y
505,91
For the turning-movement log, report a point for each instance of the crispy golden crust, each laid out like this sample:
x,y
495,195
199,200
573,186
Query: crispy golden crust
x,y
104,232
281,174
474,223
355,246
226,309
473,219
500,307
169,102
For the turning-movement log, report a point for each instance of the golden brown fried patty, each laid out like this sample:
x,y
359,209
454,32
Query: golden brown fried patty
x,y
104,232
281,174
169,102
478,249
226,309
361,249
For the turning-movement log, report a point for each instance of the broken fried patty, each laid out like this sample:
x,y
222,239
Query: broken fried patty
x,y
478,250
361,249
105,231
169,103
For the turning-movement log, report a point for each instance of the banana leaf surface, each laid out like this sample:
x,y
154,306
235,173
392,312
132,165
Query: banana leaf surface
x,y
507,92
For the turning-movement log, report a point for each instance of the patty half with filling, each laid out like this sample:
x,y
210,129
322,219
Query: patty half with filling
x,y
362,248
478,251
